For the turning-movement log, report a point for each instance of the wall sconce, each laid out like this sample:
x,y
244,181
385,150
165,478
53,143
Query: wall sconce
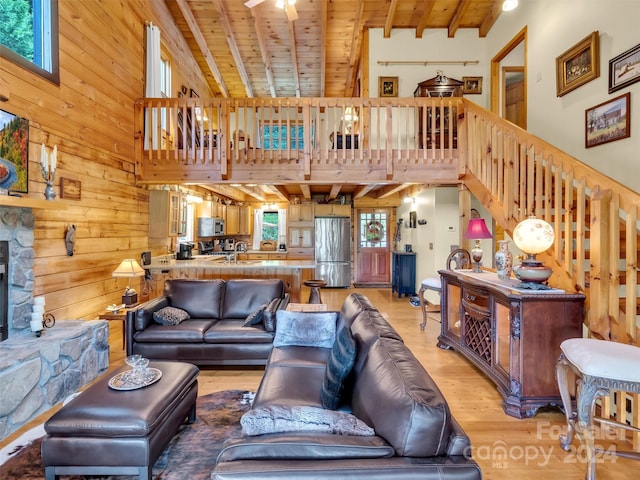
x,y
533,236
477,230
129,268
349,119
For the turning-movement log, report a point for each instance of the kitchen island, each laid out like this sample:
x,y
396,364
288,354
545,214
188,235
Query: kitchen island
x,y
219,266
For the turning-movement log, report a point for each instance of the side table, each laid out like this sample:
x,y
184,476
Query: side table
x,y
119,315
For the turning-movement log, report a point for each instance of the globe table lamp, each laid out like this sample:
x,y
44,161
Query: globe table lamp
x,y
477,230
129,268
533,236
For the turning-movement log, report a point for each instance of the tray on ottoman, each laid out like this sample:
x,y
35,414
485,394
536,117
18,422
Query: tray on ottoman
x,y
114,432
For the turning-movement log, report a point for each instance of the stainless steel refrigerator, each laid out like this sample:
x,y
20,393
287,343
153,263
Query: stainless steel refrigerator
x,y
333,250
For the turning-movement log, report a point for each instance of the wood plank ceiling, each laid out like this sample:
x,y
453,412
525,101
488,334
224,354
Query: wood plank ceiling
x,y
257,52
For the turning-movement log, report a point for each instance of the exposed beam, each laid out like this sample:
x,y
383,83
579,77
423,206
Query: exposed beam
x,y
294,57
457,17
226,191
388,23
258,21
254,192
362,190
356,44
233,46
335,190
428,8
390,190
490,19
306,191
202,45
276,190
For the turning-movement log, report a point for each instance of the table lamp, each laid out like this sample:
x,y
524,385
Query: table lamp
x,y
477,230
129,268
533,236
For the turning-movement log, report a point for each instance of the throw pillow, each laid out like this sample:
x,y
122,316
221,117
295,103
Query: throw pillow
x,y
300,418
339,367
305,329
170,316
254,318
269,318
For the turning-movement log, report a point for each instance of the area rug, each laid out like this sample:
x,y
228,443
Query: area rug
x,y
190,455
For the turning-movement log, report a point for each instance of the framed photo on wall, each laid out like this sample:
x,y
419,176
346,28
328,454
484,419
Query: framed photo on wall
x,y
624,69
387,86
471,85
14,152
608,121
578,65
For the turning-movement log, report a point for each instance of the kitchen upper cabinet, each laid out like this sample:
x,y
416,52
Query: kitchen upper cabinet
x,y
167,214
333,210
301,213
232,220
300,236
210,208
246,220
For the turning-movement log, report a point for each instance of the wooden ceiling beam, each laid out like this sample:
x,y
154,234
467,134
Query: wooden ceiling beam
x,y
226,190
202,45
335,190
233,46
491,17
258,21
390,190
252,191
424,20
388,23
306,191
356,45
362,190
463,5
277,190
294,57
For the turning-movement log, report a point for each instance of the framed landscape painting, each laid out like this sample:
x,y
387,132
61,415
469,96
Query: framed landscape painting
x,y
608,121
624,69
14,152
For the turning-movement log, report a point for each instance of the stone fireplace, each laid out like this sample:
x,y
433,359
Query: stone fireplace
x,y
36,373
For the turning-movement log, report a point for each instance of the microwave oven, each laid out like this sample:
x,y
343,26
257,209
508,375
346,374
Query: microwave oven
x,y
210,227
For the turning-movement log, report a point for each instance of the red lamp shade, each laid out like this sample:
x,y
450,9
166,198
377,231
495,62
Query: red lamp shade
x,y
477,229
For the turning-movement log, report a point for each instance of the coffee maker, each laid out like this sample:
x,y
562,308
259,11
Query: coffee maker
x,y
184,251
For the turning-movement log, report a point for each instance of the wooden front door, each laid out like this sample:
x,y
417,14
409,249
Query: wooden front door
x,y
373,250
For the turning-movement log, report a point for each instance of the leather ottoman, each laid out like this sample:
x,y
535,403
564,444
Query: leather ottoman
x,y
111,432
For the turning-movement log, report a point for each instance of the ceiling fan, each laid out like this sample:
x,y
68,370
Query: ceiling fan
x,y
288,6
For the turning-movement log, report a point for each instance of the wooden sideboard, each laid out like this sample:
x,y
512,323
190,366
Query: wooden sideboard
x,y
512,335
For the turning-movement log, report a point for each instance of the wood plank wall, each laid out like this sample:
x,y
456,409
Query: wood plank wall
x,y
89,116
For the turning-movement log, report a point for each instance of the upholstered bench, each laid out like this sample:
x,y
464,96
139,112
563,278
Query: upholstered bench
x,y
113,432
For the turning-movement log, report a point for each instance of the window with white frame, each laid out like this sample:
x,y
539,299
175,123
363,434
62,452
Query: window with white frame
x,y
269,223
29,35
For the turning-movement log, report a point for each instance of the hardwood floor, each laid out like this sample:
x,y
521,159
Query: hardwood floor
x,y
505,448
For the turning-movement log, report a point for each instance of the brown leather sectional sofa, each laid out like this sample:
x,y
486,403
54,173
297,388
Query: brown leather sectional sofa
x,y
415,434
214,334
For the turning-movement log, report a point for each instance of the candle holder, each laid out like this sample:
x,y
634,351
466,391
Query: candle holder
x,y
48,168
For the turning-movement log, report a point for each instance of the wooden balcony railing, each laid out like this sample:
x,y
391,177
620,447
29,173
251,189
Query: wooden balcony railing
x,y
417,140
298,140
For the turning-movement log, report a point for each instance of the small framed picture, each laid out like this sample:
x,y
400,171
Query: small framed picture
x,y
608,121
387,86
578,65
70,189
471,85
624,69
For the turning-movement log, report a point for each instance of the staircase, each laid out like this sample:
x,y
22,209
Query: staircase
x,y
595,219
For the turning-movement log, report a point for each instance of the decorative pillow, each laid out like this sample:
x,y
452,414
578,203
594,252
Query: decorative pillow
x,y
283,418
254,318
339,367
269,317
305,329
170,316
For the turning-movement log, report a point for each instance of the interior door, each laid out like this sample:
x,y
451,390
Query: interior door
x,y
373,247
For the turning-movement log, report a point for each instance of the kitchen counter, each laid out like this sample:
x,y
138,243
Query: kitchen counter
x,y
217,266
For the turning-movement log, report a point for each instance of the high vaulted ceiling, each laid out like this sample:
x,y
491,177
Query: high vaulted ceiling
x,y
258,52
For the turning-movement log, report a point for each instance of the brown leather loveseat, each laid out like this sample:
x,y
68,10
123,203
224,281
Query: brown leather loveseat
x,y
412,432
214,333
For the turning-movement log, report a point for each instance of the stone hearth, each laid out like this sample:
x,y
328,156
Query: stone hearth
x,y
38,372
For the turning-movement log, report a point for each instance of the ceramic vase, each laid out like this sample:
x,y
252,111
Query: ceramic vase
x,y
504,260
